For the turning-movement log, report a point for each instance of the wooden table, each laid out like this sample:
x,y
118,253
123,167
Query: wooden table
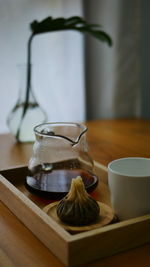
x,y
108,140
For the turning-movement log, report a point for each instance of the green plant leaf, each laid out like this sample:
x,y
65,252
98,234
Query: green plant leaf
x,y
73,23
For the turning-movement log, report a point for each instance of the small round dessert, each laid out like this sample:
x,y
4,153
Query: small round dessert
x,y
78,207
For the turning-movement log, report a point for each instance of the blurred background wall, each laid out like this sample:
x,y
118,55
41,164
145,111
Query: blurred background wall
x,y
58,65
76,77
145,58
113,73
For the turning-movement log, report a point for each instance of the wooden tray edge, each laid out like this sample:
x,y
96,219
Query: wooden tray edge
x,y
67,247
29,214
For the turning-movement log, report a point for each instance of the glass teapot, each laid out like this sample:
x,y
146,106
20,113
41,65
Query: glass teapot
x,y
60,153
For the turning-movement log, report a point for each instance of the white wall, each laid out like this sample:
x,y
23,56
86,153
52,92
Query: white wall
x,y
58,78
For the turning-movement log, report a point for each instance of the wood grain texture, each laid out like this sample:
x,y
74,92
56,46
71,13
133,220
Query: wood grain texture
x,y
108,140
112,139
110,239
36,220
20,246
65,246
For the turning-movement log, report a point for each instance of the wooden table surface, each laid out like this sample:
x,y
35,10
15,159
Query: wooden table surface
x,y
108,140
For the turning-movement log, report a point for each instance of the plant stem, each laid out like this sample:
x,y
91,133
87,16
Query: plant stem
x,y
28,84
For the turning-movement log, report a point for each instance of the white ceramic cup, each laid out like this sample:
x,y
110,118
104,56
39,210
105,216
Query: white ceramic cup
x,y
129,183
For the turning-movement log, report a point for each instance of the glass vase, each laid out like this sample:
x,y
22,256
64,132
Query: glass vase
x,y
26,113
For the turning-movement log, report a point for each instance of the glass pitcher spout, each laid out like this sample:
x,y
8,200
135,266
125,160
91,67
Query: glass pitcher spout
x,y
44,129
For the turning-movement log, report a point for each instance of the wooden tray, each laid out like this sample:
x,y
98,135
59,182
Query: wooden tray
x,y
90,245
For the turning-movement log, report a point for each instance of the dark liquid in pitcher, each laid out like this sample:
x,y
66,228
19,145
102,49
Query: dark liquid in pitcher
x,y
53,180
